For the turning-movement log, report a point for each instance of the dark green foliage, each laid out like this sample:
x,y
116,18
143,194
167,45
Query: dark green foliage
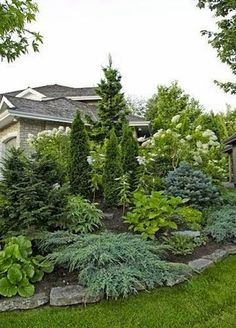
x,y
193,185
82,216
221,224
32,191
79,151
112,108
229,196
15,36
113,264
112,171
129,153
19,270
223,40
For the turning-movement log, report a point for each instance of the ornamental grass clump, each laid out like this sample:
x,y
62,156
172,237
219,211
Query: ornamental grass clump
x,y
111,264
193,185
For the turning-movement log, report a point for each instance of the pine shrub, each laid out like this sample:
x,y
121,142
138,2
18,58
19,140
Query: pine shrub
x,y
111,264
129,153
192,185
221,224
112,171
79,171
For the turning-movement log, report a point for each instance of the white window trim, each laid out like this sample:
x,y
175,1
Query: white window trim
x,y
32,91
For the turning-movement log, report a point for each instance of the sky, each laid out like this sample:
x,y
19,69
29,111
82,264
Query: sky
x,y
152,42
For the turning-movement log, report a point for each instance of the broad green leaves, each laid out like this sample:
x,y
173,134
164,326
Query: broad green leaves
x,y
18,270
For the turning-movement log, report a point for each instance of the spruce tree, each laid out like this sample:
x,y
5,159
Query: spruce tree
x,y
112,108
112,171
79,171
129,153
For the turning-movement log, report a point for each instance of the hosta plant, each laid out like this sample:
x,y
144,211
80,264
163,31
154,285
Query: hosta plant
x,y
183,244
19,270
157,211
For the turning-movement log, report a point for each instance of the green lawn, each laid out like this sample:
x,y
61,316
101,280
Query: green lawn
x,y
207,301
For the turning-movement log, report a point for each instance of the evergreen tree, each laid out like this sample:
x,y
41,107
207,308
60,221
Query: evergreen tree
x,y
79,151
31,197
112,171
129,153
112,108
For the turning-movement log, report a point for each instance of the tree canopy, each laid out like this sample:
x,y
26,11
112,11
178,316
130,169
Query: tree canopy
x,y
15,37
223,40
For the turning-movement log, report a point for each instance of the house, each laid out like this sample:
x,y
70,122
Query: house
x,y
230,149
43,108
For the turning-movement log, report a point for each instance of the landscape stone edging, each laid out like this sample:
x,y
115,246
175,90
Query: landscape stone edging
x,y
79,295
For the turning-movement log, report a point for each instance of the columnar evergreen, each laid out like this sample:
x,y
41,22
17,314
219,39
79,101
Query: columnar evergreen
x,y
129,153
79,151
112,170
112,108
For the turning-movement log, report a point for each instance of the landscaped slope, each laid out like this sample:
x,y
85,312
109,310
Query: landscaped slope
x,y
206,301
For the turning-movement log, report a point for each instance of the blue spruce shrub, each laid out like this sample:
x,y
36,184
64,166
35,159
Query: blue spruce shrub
x,y
192,185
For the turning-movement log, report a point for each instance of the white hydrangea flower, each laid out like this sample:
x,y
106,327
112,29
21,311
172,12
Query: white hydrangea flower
x,y
199,144
90,160
197,159
68,130
54,130
61,129
141,160
189,137
198,128
146,143
175,119
168,131
158,133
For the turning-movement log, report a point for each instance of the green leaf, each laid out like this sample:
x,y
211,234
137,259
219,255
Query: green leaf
x,y
38,276
6,288
26,289
14,274
29,270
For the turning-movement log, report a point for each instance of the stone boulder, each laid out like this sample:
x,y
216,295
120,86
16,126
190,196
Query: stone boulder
x,y
21,303
200,264
71,295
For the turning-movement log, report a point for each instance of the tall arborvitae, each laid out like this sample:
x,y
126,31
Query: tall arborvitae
x,y
129,153
79,151
112,108
112,171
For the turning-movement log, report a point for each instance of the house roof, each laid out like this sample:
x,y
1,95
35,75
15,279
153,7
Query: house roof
x,y
231,140
56,109
56,90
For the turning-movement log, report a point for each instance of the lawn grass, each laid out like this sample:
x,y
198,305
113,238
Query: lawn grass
x,y
208,301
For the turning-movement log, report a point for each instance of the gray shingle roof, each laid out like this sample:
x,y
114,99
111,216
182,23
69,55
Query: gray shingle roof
x,y
59,107
56,91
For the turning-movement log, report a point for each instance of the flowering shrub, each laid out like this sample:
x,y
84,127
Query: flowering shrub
x,y
54,143
167,148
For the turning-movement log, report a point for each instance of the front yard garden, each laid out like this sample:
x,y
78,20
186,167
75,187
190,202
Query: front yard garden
x,y
94,207
206,301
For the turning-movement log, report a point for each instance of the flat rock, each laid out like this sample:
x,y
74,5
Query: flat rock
x,y
188,233
217,255
200,264
21,303
71,295
231,249
108,216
